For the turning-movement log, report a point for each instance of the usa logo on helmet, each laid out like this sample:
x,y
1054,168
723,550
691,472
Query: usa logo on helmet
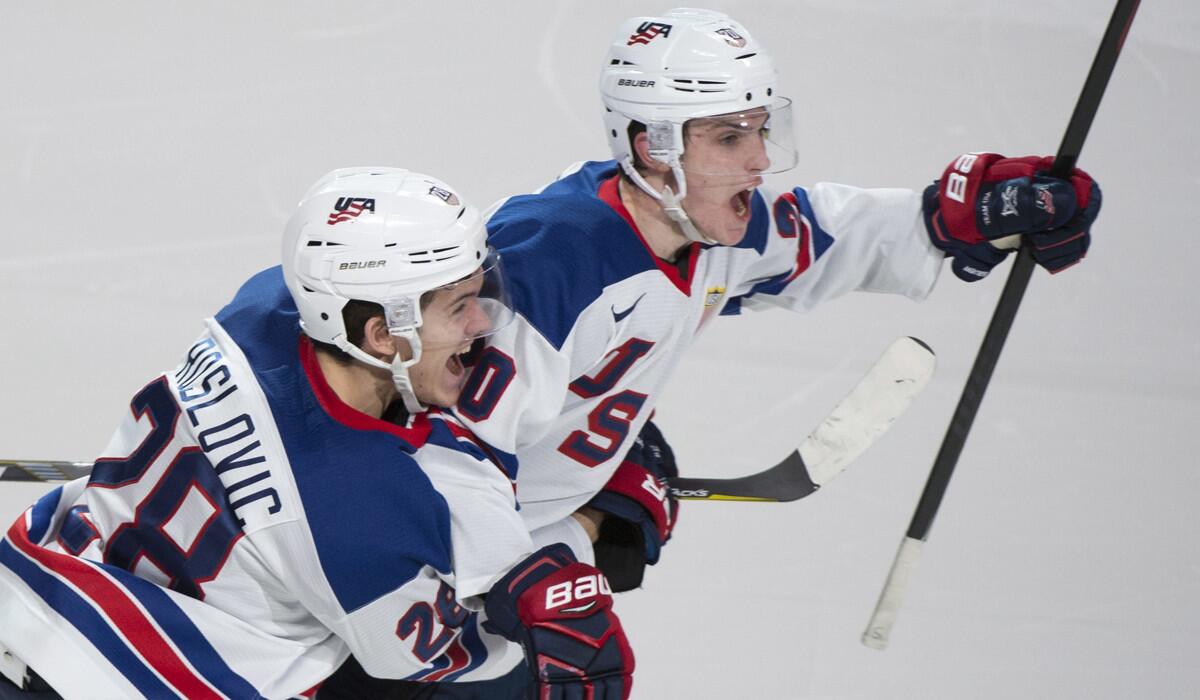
x,y
648,32
347,208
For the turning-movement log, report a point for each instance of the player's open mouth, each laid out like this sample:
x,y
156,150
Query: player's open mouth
x,y
455,365
741,204
464,359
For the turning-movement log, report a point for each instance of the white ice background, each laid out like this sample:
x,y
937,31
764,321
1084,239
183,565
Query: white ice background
x,y
151,151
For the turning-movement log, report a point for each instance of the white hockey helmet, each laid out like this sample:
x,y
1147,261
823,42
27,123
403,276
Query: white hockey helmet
x,y
388,236
688,64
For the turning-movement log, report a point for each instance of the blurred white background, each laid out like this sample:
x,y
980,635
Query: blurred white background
x,y
151,151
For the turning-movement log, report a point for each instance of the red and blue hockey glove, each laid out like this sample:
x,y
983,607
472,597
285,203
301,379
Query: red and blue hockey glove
x,y
984,196
639,510
560,611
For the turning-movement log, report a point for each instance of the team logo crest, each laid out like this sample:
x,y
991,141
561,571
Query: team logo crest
x,y
445,195
731,37
713,298
1008,201
347,208
648,32
1045,201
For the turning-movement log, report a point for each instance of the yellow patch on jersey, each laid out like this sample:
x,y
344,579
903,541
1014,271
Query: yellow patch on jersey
x,y
712,296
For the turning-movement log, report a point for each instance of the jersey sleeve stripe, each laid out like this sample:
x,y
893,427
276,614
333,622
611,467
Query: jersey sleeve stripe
x,y
108,607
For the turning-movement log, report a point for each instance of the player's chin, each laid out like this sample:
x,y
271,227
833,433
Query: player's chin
x,y
452,379
725,222
439,380
728,229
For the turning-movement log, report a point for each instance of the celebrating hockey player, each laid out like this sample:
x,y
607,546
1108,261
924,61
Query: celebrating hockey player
x,y
617,265
290,494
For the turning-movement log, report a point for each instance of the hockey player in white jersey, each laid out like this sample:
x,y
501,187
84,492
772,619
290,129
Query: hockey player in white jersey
x,y
617,265
291,494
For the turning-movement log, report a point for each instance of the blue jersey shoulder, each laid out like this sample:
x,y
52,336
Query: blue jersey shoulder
x,y
562,247
262,319
375,518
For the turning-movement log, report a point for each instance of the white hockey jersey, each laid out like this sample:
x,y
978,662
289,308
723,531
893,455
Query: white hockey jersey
x,y
245,531
601,322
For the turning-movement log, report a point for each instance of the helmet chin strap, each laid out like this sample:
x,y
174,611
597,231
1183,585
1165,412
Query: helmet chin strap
x,y
674,210
398,367
671,203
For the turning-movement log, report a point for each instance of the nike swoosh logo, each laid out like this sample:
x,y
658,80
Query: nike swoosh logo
x,y
619,316
579,609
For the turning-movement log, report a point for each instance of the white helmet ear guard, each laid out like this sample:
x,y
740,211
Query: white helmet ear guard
x,y
385,236
688,64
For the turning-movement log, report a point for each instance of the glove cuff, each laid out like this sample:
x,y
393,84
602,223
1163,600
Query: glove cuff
x,y
633,493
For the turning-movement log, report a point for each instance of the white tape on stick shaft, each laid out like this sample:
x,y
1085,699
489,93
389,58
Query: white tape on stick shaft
x,y
880,627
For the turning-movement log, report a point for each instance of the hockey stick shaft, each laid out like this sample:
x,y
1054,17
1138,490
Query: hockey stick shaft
x,y
859,419
50,471
878,629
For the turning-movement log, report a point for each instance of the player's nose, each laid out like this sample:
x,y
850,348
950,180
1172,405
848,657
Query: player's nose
x,y
479,322
758,160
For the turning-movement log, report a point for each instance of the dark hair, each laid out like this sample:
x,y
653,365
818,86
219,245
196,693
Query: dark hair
x,y
355,315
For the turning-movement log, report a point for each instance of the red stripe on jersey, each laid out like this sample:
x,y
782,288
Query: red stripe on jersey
x,y
416,435
801,228
611,195
459,658
118,606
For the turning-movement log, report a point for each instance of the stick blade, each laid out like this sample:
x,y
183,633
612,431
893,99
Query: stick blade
x,y
866,413
882,396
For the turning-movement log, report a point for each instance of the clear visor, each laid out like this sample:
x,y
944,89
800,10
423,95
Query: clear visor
x,y
456,315
729,148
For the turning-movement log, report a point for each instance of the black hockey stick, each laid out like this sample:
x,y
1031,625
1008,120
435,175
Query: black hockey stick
x,y
880,625
787,481
879,398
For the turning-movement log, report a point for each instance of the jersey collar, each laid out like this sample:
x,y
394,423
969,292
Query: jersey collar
x,y
415,433
611,195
